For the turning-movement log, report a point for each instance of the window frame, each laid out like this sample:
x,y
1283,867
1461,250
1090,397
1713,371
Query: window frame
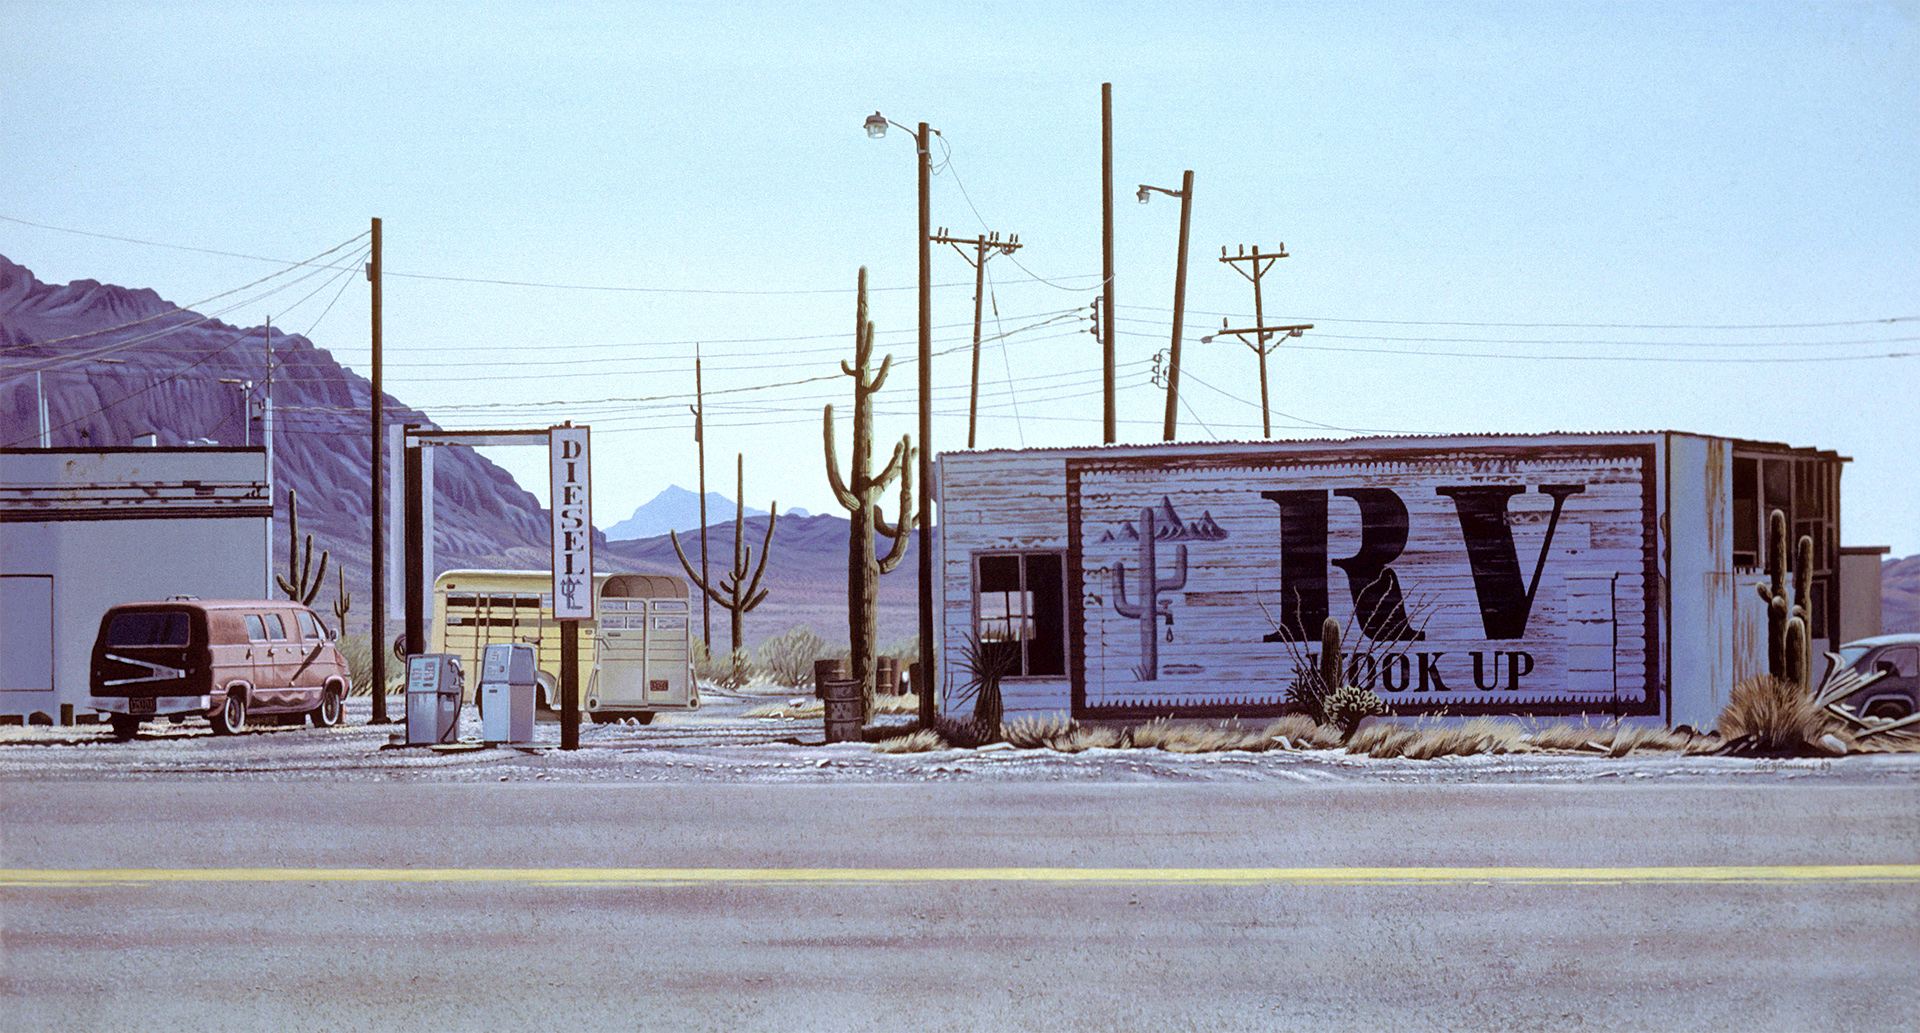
x,y
1022,670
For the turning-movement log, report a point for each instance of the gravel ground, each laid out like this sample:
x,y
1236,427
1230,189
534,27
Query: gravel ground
x,y
718,744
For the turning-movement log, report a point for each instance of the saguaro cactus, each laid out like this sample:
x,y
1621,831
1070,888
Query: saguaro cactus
x,y
1789,634
861,494
736,593
1149,609
342,600
305,582
1330,655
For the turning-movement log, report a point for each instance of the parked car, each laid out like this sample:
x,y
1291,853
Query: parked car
x,y
229,661
1896,695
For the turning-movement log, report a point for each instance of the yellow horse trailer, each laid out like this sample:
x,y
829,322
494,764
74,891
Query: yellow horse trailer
x,y
635,660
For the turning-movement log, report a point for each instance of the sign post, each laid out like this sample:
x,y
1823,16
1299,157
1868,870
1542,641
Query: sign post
x,y
572,503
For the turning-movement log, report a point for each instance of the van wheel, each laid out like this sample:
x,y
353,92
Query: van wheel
x,y
231,719
124,725
327,714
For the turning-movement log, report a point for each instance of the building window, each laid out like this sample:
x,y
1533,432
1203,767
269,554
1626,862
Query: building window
x,y
1019,605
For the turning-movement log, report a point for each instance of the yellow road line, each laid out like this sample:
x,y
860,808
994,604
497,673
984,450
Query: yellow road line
x,y
70,877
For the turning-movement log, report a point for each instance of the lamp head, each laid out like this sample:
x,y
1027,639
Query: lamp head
x,y
876,125
1143,194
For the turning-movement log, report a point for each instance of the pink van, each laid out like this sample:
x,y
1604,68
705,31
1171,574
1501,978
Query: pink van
x,y
226,660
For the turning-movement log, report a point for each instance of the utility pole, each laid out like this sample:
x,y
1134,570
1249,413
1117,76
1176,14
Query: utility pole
x,y
1185,194
1258,263
377,568
985,247
929,680
1107,420
700,440
266,436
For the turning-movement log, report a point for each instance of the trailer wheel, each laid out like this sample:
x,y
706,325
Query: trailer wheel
x,y
124,725
231,718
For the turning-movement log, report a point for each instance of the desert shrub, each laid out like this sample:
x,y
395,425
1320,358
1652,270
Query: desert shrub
x,y
357,651
1770,714
906,650
917,742
788,659
891,703
1348,705
730,671
1307,693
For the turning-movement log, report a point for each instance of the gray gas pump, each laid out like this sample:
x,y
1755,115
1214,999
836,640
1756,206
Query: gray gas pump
x,y
435,684
506,693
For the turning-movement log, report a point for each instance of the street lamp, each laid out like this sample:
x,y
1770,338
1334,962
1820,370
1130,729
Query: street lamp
x,y
876,126
1185,194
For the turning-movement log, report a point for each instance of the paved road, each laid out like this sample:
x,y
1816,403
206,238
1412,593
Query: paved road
x,y
352,905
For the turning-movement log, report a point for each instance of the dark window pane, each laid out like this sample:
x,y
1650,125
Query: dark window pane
x,y
999,573
1047,651
147,629
1746,512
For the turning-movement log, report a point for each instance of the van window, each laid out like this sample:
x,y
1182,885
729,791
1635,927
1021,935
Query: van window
x,y
1905,659
276,631
256,631
147,629
309,627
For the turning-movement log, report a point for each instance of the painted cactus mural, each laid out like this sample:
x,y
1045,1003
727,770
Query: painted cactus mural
x,y
1149,608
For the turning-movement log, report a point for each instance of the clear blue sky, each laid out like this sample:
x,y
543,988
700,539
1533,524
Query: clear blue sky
x,y
1671,181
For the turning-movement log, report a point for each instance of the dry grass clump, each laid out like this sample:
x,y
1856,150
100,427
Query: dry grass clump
x,y
1383,739
1300,733
1480,735
1057,732
916,742
1617,741
888,703
1198,738
1033,733
1773,715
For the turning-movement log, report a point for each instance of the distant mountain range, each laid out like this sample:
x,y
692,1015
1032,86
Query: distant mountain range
x,y
677,509
118,364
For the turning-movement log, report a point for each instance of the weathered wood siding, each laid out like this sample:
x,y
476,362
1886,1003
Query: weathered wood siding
x,y
1461,533
996,502
1249,520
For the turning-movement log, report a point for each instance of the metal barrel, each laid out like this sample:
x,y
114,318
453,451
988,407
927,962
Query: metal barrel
x,y
825,671
886,675
844,703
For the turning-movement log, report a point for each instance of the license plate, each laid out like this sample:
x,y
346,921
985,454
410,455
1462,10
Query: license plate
x,y
140,704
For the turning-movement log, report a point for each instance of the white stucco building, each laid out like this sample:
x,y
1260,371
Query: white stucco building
x,y
83,529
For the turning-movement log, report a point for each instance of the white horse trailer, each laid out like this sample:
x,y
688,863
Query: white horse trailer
x,y
636,659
